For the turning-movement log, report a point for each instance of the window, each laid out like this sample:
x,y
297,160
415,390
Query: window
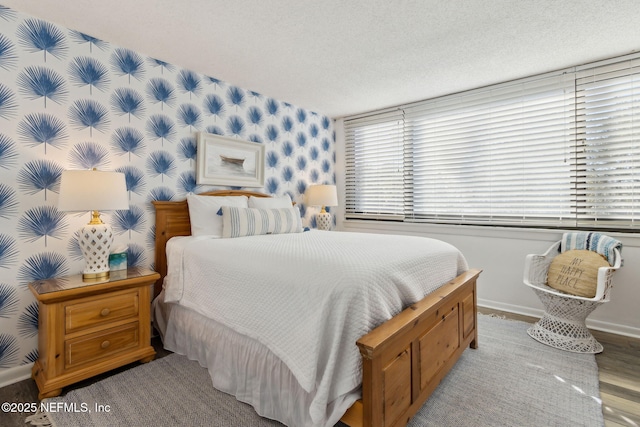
x,y
556,150
608,145
375,174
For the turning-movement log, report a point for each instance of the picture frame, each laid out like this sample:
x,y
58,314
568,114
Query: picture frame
x,y
222,160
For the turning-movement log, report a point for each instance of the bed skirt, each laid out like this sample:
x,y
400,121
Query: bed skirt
x,y
242,366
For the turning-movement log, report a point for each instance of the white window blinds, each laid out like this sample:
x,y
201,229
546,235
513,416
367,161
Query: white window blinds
x,y
502,154
556,150
608,121
375,159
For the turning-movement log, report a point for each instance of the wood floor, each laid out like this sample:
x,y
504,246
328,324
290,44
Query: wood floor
x,y
619,366
619,370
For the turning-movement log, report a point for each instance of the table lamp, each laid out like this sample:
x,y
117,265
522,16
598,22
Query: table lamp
x,y
322,195
93,190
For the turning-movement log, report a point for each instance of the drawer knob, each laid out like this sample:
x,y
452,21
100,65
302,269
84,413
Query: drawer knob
x,y
105,312
105,344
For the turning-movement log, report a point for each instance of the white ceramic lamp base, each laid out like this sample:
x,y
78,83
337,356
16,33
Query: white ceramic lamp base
x,y
323,221
95,242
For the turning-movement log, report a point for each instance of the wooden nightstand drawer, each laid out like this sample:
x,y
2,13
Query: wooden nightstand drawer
x,y
95,312
91,347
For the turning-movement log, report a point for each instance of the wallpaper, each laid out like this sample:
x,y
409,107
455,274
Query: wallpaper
x,y
71,101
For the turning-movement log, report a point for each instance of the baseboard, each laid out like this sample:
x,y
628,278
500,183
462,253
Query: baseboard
x,y
614,328
14,375
597,325
516,309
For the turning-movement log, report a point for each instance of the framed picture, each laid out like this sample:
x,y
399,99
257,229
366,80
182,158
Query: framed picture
x,y
227,161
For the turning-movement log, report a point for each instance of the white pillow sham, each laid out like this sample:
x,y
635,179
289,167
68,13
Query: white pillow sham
x,y
203,213
240,222
270,202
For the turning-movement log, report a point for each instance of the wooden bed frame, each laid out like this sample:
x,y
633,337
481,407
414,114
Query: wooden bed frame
x,y
404,359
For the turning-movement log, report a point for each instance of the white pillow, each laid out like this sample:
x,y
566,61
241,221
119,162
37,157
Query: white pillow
x,y
240,222
203,212
270,202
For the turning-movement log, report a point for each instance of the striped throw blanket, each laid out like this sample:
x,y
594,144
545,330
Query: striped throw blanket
x,y
597,242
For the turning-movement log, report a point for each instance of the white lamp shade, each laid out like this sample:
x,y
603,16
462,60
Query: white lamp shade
x,y
322,195
92,190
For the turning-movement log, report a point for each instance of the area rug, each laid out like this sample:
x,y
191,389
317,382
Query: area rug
x,y
510,380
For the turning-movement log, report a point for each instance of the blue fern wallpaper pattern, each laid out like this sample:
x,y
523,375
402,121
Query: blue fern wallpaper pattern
x,y
71,101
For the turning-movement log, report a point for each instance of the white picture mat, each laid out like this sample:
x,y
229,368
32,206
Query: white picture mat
x,y
227,161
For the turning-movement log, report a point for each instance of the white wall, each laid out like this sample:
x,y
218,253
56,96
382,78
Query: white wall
x,y
500,253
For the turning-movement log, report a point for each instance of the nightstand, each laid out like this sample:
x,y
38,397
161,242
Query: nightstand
x,y
87,328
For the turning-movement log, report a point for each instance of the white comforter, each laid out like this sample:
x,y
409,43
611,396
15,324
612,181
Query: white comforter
x,y
308,296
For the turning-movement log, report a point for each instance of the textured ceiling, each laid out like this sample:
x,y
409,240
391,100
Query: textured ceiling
x,y
342,57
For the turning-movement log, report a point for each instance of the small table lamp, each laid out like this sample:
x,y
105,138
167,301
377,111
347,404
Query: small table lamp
x,y
92,190
322,195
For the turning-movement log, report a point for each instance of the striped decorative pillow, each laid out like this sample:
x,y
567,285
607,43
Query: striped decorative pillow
x,y
240,222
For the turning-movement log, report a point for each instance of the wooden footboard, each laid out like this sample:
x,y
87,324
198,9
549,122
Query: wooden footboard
x,y
405,358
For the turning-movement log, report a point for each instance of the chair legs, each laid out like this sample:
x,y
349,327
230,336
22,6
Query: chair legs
x,y
563,324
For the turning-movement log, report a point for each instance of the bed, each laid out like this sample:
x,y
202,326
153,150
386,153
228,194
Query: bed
x,y
401,359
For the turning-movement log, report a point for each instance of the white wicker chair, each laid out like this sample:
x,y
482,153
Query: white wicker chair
x,y
563,324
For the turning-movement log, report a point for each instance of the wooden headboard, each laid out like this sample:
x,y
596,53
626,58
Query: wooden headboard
x,y
172,219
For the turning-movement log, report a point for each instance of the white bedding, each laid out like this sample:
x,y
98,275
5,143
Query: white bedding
x,y
308,297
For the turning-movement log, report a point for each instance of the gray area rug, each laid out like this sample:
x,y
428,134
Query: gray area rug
x,y
510,380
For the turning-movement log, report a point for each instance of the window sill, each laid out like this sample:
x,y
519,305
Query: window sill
x,y
541,234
